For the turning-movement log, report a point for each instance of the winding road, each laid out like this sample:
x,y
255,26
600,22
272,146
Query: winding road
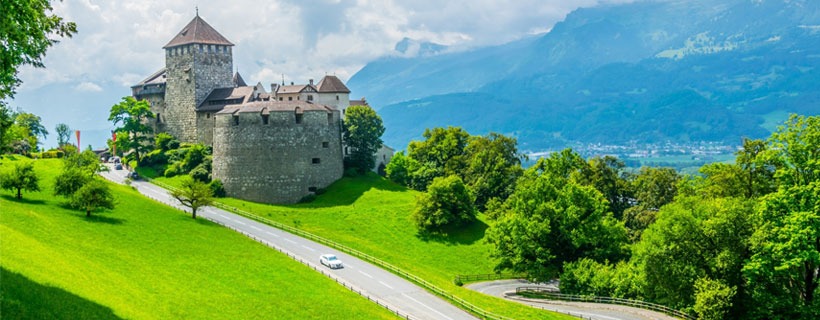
x,y
397,294
596,311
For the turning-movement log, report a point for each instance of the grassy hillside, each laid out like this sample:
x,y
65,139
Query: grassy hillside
x,y
372,215
147,261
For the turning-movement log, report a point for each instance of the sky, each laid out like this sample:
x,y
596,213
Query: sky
x,y
119,43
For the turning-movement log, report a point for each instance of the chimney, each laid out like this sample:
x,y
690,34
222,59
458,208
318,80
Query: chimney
x,y
311,82
291,83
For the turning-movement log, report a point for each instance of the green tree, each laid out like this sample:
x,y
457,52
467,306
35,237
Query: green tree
x,y
549,220
26,28
131,116
164,141
441,154
447,203
713,299
363,131
21,177
757,168
34,125
398,169
63,134
653,188
6,121
494,166
193,194
69,181
608,176
92,196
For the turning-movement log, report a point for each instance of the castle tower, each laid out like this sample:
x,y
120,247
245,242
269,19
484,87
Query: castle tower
x,y
197,60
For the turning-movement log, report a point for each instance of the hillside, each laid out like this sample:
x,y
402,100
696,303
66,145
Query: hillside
x,y
145,260
646,72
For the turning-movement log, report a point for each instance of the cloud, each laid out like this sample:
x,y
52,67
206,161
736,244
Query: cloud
x,y
88,87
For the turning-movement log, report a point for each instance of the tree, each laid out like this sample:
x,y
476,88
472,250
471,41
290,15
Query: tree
x,y
441,154
21,177
92,196
447,203
757,168
26,27
549,220
653,188
193,194
607,175
69,181
63,134
494,166
6,121
363,131
30,127
131,115
713,299
398,170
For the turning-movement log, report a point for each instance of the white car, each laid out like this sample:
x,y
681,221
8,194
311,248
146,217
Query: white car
x,y
331,261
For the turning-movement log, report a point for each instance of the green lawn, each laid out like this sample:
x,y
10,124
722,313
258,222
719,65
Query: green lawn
x,y
372,215
144,260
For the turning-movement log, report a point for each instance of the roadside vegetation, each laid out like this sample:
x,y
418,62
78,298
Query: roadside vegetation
x,y
144,260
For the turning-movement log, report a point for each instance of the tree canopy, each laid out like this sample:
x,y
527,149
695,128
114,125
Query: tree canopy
x,y
362,132
26,27
20,177
132,132
193,194
447,203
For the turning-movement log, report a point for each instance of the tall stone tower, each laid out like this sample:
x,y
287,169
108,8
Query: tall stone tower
x,y
197,60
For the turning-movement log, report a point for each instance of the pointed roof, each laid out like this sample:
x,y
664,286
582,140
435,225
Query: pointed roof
x,y
198,31
332,84
238,81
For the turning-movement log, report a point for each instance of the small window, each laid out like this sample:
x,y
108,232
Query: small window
x,y
337,97
310,97
325,144
207,116
265,118
290,98
298,118
158,118
330,119
236,120
316,161
281,98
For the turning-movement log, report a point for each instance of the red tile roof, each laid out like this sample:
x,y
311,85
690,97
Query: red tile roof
x,y
332,84
198,31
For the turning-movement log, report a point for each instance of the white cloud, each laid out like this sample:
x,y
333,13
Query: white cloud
x,y
88,87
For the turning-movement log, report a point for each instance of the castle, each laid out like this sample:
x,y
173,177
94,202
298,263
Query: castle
x,y
271,147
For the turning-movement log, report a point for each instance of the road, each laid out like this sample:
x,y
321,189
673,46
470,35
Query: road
x,y
596,311
398,294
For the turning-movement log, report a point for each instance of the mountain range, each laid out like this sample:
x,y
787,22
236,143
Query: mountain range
x,y
681,71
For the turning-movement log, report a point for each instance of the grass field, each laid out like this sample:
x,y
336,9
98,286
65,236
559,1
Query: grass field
x,y
372,215
145,260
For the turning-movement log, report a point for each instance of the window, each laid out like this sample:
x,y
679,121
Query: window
x,y
158,118
316,161
236,120
281,98
310,97
207,116
298,118
325,144
265,118
290,98
337,97
330,119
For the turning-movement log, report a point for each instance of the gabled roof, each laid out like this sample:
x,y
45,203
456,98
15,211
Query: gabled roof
x,y
155,78
198,31
238,81
332,84
221,97
299,88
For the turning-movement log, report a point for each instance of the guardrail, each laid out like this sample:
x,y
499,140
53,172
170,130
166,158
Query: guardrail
x,y
462,278
461,303
554,295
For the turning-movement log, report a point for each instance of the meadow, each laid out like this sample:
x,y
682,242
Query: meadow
x,y
144,260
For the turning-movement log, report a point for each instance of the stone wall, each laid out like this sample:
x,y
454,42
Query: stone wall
x,y
278,162
193,71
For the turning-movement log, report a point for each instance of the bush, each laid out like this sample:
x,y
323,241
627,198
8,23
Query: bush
x,y
52,154
200,173
308,198
448,202
156,157
351,173
172,170
216,188
164,141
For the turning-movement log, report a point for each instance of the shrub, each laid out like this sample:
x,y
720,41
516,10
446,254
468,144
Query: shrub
x,y
156,157
216,188
172,170
200,173
164,141
448,202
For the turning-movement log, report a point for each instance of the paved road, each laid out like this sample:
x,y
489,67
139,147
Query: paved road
x,y
597,311
374,282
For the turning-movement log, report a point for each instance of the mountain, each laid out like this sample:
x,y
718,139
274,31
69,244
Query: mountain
x,y
648,72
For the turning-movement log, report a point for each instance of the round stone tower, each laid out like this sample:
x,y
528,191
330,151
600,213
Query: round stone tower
x,y
197,60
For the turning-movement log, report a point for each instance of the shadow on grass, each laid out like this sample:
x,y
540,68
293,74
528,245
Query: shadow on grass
x,y
21,298
24,200
349,189
102,219
465,235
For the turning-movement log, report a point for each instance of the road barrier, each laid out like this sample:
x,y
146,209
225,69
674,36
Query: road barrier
x,y
462,278
461,303
555,295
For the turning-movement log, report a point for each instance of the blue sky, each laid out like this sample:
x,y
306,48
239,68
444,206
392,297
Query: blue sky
x,y
120,42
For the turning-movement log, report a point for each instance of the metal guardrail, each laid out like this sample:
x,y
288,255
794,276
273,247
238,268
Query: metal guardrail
x,y
462,278
554,295
461,303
